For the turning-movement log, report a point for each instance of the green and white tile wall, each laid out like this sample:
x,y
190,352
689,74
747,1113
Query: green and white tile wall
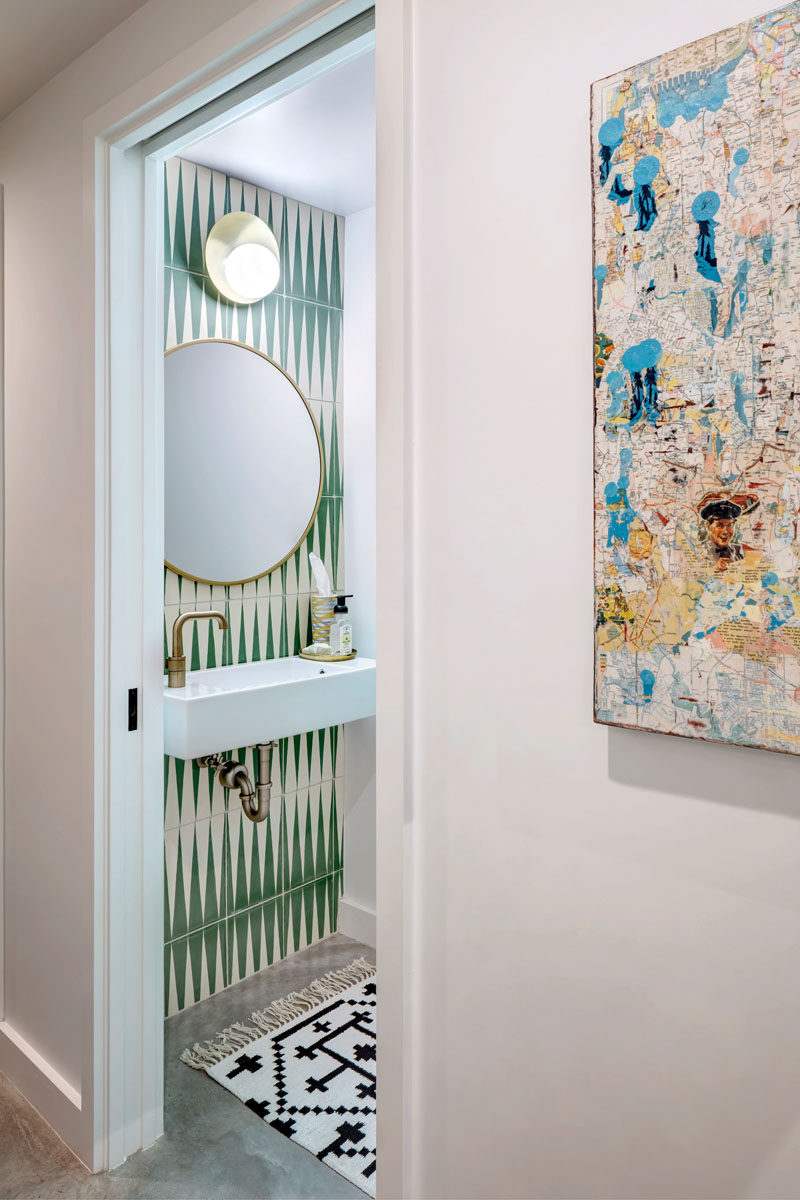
x,y
238,896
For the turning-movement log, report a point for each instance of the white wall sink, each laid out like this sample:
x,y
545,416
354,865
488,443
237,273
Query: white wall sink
x,y
228,707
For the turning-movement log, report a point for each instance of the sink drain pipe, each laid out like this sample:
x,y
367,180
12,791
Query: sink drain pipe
x,y
233,774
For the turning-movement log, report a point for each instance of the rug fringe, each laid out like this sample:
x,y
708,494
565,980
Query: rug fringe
x,y
239,1035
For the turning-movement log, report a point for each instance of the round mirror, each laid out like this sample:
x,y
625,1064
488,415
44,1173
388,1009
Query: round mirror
x,y
242,463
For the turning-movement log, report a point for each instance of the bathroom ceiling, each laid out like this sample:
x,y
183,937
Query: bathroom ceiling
x,y
41,37
316,145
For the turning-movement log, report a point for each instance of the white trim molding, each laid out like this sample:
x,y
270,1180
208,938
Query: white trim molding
x,y
58,1101
2,610
357,921
40,1063
395,579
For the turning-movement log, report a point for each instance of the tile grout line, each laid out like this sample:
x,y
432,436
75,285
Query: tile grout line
x,y
238,912
278,295
231,808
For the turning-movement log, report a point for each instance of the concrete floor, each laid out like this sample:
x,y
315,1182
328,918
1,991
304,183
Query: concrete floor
x,y
213,1146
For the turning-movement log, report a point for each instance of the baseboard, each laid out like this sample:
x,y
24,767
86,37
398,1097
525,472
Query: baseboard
x,y
42,1086
357,922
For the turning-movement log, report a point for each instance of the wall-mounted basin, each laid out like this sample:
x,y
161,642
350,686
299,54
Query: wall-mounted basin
x,y
228,707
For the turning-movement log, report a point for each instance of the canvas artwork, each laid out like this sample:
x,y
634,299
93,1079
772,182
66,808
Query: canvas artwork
x,y
696,209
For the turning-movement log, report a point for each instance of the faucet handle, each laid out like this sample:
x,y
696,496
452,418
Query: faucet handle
x,y
176,670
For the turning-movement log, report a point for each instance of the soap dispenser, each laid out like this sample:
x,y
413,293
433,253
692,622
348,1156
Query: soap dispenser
x,y
341,632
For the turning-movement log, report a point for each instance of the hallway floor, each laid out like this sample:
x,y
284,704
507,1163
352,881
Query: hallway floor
x,y
212,1145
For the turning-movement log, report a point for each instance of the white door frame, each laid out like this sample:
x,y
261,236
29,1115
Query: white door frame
x,y
125,145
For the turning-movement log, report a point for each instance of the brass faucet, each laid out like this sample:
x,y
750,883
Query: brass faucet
x,y
176,663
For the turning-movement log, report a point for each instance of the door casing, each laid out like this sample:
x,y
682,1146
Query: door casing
x,y
125,146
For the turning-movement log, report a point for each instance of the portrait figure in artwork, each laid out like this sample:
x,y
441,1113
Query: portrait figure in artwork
x,y
720,532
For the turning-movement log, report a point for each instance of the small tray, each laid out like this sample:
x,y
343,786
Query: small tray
x,y
328,658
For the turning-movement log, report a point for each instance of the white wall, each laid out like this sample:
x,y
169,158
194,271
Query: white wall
x,y
608,920
357,908
46,1045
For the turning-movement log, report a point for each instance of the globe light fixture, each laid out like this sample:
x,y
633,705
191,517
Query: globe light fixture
x,y
242,258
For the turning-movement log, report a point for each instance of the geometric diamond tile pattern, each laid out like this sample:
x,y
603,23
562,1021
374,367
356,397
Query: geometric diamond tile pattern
x,y
239,896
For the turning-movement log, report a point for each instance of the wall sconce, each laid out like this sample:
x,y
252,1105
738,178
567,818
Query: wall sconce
x,y
242,257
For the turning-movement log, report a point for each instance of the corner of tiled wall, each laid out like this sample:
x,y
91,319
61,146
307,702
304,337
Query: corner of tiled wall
x,y
238,896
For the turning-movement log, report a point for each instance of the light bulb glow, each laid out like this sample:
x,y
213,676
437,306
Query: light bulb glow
x,y
252,270
242,257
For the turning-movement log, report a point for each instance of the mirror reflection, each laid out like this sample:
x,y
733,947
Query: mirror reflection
x,y
242,463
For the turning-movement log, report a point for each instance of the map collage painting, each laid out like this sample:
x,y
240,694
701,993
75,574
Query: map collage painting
x,y
696,289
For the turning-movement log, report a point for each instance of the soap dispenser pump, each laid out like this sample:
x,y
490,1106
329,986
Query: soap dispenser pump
x,y
341,632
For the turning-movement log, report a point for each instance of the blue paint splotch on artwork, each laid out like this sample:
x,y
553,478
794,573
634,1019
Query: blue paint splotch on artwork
x,y
600,272
688,94
615,381
609,136
740,157
644,173
641,361
704,209
647,295
739,297
713,303
620,514
741,398
648,683
619,509
778,608
767,247
618,192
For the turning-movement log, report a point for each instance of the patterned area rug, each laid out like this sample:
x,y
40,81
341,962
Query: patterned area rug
x,y
306,1066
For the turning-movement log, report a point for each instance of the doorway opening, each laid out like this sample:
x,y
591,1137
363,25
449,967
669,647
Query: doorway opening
x,y
130,165
256,909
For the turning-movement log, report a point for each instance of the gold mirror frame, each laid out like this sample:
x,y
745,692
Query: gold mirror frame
x,y
315,427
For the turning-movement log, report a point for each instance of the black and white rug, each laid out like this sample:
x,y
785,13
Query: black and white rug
x,y
306,1066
